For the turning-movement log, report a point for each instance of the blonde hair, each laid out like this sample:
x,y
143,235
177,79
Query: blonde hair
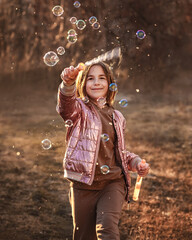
x,y
82,79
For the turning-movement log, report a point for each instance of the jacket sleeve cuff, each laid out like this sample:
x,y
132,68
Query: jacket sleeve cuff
x,y
67,90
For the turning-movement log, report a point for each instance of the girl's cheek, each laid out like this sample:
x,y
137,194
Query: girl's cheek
x,y
86,86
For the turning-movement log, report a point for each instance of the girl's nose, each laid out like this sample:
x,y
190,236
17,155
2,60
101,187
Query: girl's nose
x,y
96,81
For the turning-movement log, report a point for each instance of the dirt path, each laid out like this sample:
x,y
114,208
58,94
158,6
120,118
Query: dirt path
x,y
34,196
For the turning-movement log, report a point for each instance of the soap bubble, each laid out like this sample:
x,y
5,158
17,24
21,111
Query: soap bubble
x,y
73,20
72,39
140,34
46,144
80,24
57,11
101,101
68,123
77,4
85,99
51,59
95,25
113,87
60,50
72,32
105,137
123,102
92,20
105,169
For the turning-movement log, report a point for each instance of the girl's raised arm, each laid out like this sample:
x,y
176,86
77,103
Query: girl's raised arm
x,y
67,105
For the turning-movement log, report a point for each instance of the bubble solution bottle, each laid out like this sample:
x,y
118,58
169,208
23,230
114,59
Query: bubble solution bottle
x,y
138,185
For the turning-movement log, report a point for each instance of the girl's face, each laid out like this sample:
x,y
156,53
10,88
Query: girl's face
x,y
96,83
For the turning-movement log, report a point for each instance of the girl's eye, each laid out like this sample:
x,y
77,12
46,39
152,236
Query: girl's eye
x,y
89,78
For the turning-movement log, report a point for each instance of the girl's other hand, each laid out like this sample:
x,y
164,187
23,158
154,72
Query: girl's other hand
x,y
69,74
143,169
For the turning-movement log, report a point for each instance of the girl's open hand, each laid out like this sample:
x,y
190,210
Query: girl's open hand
x,y
69,74
143,169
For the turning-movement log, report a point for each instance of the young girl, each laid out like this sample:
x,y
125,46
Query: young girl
x,y
96,162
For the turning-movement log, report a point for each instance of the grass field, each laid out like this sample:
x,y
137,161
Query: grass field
x,y
34,196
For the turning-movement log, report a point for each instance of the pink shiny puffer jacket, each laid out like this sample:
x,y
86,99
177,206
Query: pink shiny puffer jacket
x,y
83,138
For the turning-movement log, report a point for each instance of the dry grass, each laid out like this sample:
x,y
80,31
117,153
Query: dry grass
x,y
34,196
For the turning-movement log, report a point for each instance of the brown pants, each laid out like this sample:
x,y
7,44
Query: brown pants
x,y
96,213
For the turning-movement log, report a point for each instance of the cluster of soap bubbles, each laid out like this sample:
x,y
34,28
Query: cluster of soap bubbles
x,y
51,58
94,23
46,144
81,24
72,34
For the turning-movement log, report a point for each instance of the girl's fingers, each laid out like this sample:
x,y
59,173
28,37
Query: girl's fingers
x,y
67,71
145,166
69,74
71,68
143,170
64,72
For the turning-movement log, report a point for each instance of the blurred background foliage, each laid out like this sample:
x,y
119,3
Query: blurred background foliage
x,y
28,29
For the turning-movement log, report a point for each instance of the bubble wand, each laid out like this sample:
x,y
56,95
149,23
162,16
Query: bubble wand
x,y
114,53
138,185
